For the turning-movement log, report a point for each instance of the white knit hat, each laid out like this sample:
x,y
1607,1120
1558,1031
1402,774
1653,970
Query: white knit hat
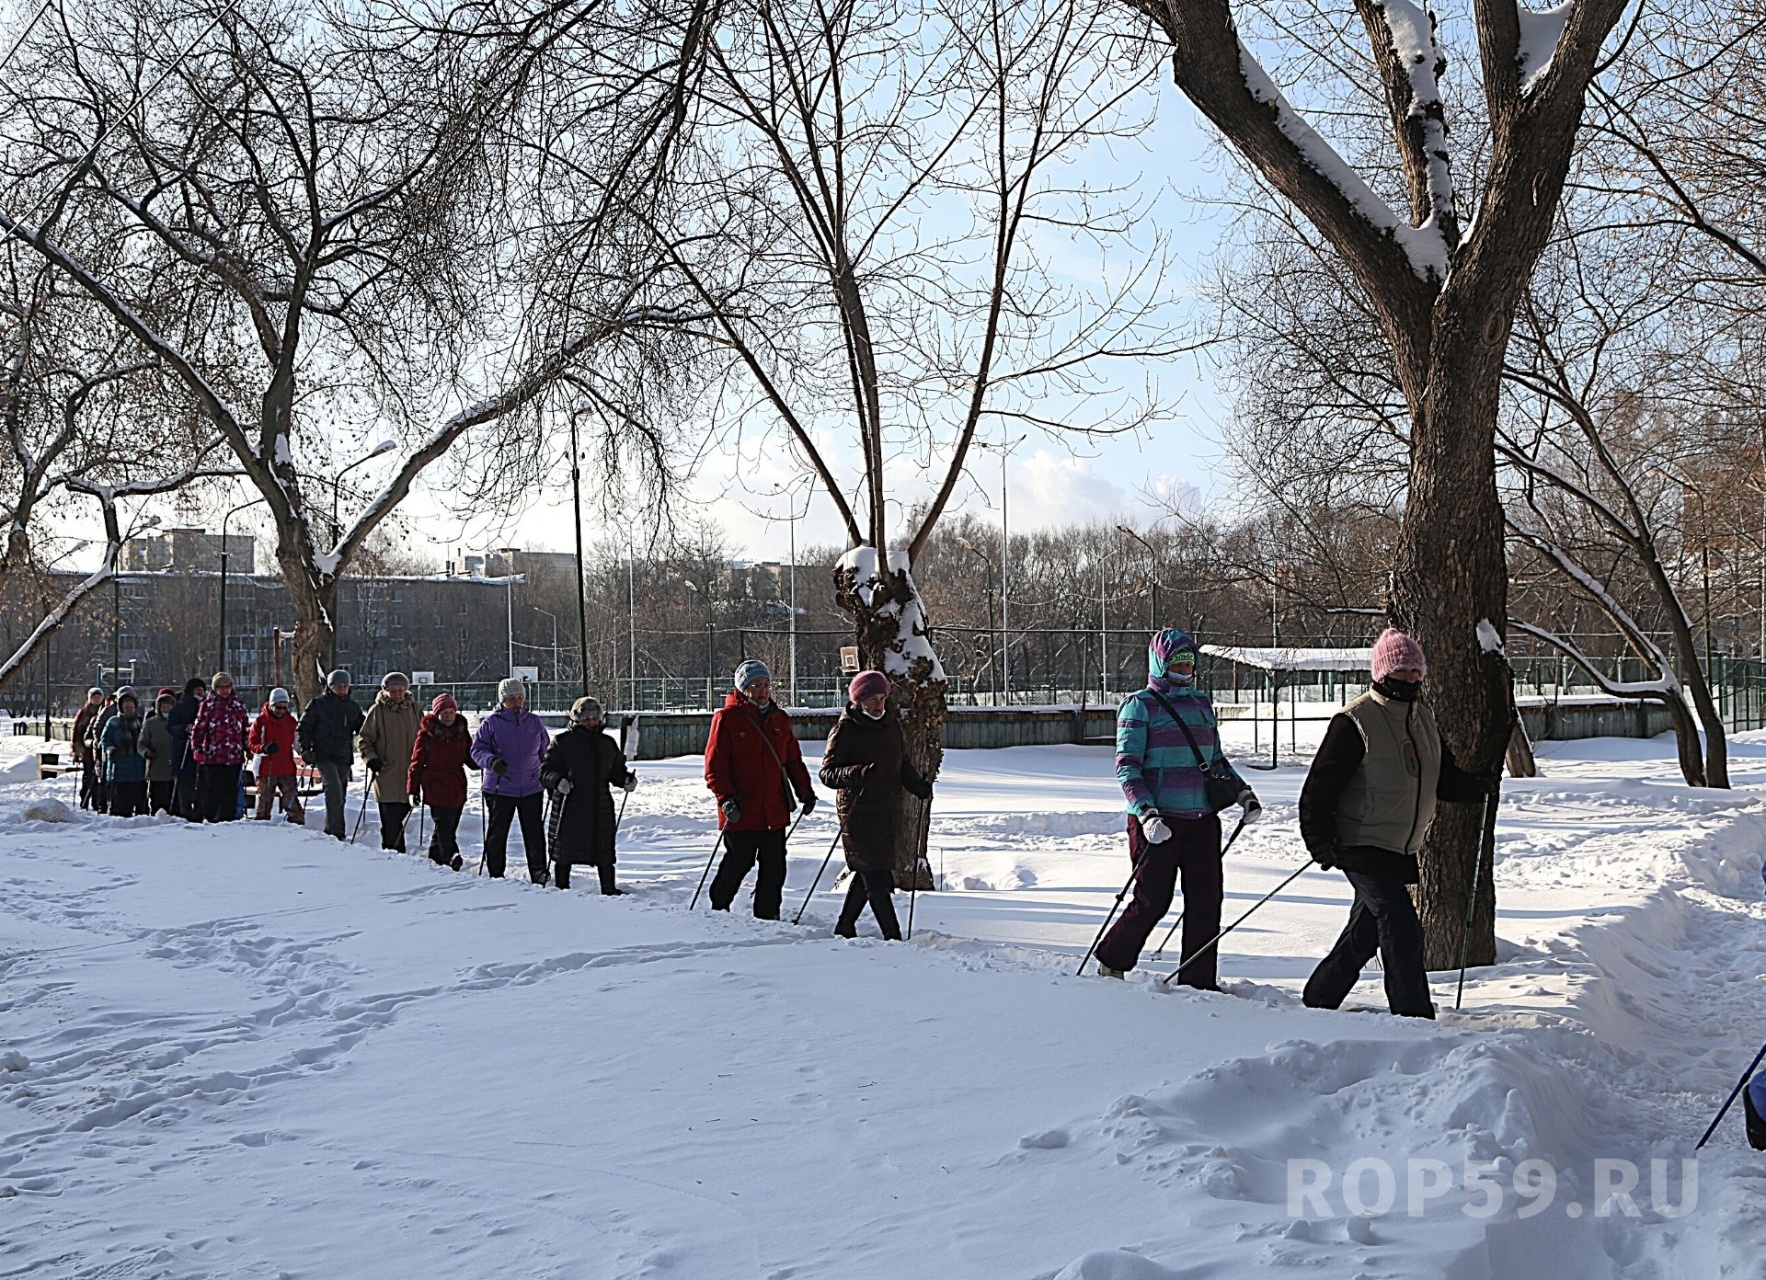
x,y
510,688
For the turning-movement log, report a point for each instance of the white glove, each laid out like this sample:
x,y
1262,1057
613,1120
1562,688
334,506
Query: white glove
x,y
1253,807
630,784
564,786
1154,829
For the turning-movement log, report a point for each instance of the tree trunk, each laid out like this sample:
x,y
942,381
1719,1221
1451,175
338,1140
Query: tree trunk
x,y
1686,739
314,598
1451,576
888,623
1521,763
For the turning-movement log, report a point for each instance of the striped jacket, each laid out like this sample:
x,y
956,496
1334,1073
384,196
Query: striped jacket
x,y
1154,763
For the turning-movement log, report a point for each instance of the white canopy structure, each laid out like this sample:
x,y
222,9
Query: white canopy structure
x,y
1284,659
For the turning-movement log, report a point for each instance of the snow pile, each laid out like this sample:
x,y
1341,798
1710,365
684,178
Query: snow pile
x,y
910,645
1540,32
50,810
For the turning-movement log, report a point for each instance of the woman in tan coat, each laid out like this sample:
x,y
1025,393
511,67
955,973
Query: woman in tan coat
x,y
389,731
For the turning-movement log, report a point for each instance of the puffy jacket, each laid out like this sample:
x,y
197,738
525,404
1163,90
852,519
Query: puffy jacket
x,y
178,722
1155,765
753,758
866,762
439,760
80,736
582,821
218,735
389,732
270,729
328,729
121,745
519,740
157,746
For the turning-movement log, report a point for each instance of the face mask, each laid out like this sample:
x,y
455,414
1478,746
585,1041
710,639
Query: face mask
x,y
1175,678
874,715
1398,690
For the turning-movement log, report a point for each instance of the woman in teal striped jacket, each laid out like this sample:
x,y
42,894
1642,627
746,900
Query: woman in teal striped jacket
x,y
1171,828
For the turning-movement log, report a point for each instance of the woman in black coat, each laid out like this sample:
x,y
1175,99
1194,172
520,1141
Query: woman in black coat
x,y
578,768
866,764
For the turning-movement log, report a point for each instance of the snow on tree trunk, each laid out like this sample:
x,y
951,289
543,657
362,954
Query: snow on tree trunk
x,y
889,621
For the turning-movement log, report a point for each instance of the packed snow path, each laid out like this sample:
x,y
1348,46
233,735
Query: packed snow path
x,y
247,1051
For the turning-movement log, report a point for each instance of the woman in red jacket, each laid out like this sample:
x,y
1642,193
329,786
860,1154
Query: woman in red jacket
x,y
271,740
437,775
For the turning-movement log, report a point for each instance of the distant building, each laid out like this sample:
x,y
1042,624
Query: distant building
x,y
189,551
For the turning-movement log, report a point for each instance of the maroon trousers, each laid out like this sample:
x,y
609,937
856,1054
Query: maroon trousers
x,y
1194,852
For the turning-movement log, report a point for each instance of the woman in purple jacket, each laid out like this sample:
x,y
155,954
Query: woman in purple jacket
x,y
509,746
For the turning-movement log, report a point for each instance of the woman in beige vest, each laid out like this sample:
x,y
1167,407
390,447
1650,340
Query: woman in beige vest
x,y
1366,806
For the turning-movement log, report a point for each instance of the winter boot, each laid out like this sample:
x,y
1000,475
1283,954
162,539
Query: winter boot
x,y
1105,971
608,888
456,862
1756,1122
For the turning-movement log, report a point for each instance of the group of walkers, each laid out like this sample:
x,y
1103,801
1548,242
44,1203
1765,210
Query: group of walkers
x,y
1365,809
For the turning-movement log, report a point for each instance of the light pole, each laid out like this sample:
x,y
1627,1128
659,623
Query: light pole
x,y
384,447
582,603
983,557
1104,625
1152,576
221,661
556,680
631,619
710,642
1004,449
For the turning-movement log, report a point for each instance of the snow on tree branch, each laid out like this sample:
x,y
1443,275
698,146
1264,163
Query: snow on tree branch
x,y
1541,30
1424,246
1412,32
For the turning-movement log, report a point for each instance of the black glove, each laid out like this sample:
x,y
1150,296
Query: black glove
x,y
1326,858
271,748
731,810
809,803
1491,779
920,787
374,766
499,767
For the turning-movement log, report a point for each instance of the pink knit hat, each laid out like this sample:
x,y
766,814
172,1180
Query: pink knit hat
x,y
1395,651
867,684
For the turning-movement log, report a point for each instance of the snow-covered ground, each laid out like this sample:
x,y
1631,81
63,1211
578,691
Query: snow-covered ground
x,y
251,1051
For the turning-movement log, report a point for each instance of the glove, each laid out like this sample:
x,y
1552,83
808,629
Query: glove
x,y
1253,807
809,803
415,799
1154,829
1326,858
374,766
1492,779
731,810
921,788
271,748
564,786
499,767
630,784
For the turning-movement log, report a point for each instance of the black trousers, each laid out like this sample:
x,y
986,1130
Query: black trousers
x,y
445,843
159,797
503,811
127,799
217,792
742,849
1383,919
1194,852
604,870
187,795
873,887
392,824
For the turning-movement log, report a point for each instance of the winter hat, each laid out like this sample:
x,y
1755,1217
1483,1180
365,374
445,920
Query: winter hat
x,y
220,677
94,692
165,696
165,691
337,677
585,709
279,696
395,680
1166,649
128,695
867,684
1394,651
510,688
444,702
192,685
750,671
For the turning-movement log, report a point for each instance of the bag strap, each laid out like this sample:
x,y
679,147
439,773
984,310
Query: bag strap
x,y
784,776
1202,763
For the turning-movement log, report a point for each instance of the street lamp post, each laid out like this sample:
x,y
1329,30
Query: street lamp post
x,y
1152,576
1004,449
983,557
384,447
556,678
1104,625
221,661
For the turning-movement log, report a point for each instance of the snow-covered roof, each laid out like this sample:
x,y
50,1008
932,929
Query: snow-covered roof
x,y
1291,659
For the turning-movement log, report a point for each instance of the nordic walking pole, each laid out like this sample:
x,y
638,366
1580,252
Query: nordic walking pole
x,y
482,833
1225,849
1114,907
914,884
703,874
798,918
367,785
1733,1095
1203,950
1465,937
422,813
